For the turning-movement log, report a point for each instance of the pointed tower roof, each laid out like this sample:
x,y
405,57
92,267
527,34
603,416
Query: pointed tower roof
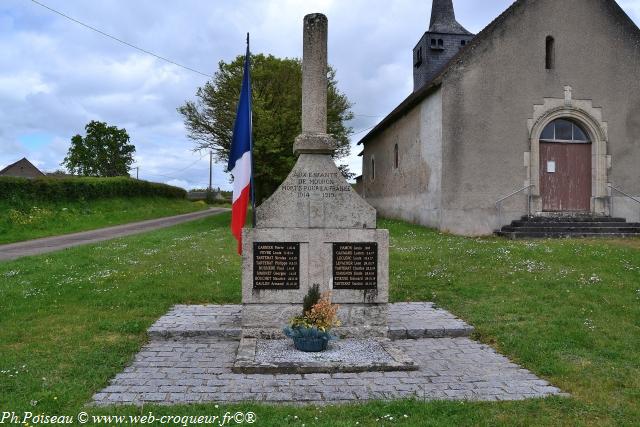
x,y
443,19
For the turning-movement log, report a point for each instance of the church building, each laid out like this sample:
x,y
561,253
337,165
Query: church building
x,y
538,115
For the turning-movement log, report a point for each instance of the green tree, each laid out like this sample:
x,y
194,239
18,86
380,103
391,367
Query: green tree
x,y
277,97
104,151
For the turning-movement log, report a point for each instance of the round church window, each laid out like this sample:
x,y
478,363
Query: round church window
x,y
564,130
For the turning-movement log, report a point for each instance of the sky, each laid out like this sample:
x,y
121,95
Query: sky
x,y
56,76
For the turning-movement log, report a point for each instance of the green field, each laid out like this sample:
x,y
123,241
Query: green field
x,y
41,219
568,310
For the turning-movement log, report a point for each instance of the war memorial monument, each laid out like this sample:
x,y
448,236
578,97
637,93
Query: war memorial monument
x,y
315,230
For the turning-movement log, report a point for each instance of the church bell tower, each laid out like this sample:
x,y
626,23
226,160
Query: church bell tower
x,y
439,44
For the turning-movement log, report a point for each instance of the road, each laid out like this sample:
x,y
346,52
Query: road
x,y
55,243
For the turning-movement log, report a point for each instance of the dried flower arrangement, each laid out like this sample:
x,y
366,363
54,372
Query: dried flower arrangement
x,y
312,330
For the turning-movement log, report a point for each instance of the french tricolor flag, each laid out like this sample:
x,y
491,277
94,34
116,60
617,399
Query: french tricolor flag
x,y
240,161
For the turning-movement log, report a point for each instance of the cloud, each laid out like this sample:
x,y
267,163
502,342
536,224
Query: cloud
x,y
181,183
56,76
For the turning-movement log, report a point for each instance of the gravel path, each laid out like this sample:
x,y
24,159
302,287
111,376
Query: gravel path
x,y
346,351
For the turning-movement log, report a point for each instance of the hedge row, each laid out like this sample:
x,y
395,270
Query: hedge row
x,y
70,189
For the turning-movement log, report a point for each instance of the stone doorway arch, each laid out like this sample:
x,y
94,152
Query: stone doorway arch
x,y
590,118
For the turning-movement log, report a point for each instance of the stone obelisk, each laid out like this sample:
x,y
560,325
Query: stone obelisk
x,y
314,138
315,229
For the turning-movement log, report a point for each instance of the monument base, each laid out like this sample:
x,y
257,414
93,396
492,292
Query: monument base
x,y
358,320
280,265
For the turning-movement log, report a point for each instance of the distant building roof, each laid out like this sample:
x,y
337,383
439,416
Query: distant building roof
x,y
21,168
470,49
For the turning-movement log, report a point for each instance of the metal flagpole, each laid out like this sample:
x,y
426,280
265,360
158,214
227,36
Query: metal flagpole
x,y
253,191
211,171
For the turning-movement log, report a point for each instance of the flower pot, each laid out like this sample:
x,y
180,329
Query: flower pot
x,y
310,345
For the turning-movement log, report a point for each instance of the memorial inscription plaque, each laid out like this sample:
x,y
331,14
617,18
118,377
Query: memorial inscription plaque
x,y
355,265
276,265
325,185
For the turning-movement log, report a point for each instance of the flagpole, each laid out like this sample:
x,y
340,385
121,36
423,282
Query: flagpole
x,y
253,191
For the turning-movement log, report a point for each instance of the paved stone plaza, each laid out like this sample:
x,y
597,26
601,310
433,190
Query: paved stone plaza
x,y
193,349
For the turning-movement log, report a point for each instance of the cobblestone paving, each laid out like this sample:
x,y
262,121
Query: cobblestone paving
x,y
191,369
194,320
424,320
198,369
406,320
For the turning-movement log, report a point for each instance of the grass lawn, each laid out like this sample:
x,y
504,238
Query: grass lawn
x,y
34,220
567,310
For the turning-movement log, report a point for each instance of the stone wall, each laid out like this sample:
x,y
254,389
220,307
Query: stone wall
x,y
412,191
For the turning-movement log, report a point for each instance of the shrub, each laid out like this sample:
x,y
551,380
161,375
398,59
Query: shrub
x,y
322,314
312,297
19,190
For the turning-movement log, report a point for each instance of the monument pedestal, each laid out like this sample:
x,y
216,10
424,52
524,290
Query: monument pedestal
x,y
281,264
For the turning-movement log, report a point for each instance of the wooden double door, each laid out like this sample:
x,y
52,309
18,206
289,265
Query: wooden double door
x,y
565,176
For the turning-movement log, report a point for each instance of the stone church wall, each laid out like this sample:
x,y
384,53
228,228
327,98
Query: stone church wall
x,y
489,96
412,190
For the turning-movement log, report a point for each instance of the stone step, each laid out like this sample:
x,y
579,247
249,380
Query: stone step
x,y
569,218
220,321
611,224
573,229
406,321
556,235
413,320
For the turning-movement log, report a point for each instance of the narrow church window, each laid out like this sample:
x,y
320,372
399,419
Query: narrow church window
x,y
418,57
463,42
440,43
395,156
550,57
373,169
433,42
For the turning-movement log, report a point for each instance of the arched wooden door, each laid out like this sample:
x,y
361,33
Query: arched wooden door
x,y
565,168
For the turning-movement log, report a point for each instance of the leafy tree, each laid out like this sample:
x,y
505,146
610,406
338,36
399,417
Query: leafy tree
x,y
104,151
277,97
